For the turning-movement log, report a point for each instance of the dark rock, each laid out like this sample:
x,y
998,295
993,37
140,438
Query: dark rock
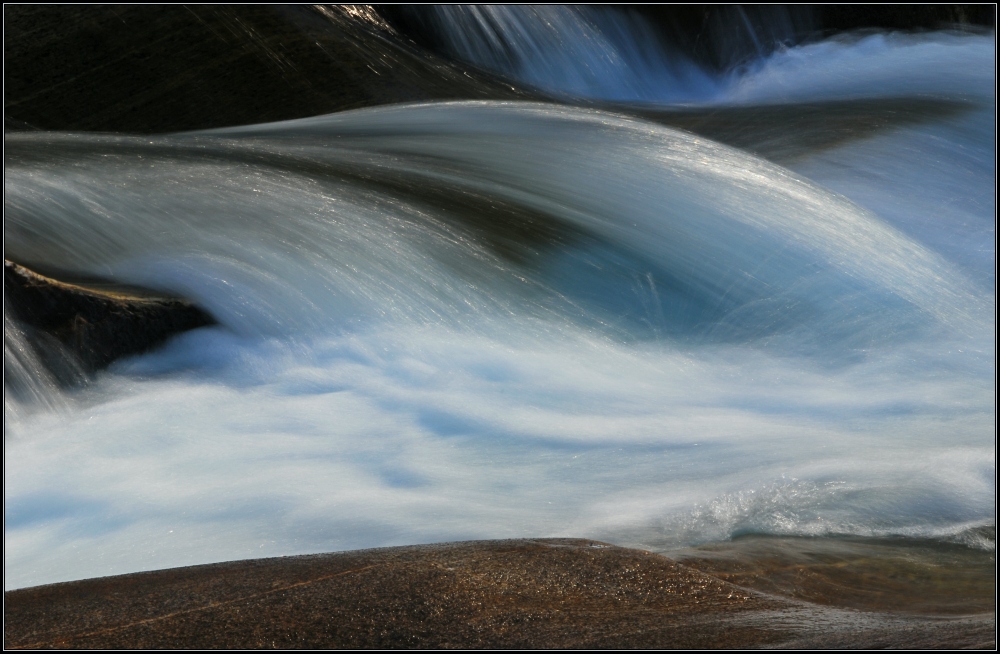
x,y
94,326
169,68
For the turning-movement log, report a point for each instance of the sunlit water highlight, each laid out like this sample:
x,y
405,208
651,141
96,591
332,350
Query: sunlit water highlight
x,y
482,320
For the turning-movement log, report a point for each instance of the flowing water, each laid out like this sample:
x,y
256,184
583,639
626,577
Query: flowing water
x,y
492,319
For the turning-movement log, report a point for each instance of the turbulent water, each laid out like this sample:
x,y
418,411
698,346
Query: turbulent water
x,y
578,51
492,319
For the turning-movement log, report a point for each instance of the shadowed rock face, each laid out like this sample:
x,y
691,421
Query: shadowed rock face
x,y
549,593
173,68
93,326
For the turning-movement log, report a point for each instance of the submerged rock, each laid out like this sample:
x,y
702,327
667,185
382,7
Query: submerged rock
x,y
76,329
785,133
903,575
547,593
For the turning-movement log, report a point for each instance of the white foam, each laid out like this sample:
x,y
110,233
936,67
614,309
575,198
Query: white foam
x,y
956,66
219,448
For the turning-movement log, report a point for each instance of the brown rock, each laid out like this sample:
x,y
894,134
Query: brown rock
x,y
544,593
902,575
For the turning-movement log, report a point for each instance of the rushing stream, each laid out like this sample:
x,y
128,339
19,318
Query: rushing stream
x,y
488,319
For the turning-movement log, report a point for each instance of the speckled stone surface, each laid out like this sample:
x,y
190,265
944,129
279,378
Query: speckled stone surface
x,y
548,593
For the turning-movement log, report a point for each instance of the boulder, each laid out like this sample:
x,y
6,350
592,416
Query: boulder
x,y
93,325
529,594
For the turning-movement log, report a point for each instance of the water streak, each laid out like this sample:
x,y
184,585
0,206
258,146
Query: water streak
x,y
576,51
489,319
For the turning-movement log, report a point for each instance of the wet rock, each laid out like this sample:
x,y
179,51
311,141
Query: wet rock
x,y
902,575
171,68
75,328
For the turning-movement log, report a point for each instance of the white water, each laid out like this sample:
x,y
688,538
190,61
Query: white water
x,y
577,51
28,385
706,344
595,52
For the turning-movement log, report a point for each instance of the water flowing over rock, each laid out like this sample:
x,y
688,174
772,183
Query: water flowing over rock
x,y
84,329
716,282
